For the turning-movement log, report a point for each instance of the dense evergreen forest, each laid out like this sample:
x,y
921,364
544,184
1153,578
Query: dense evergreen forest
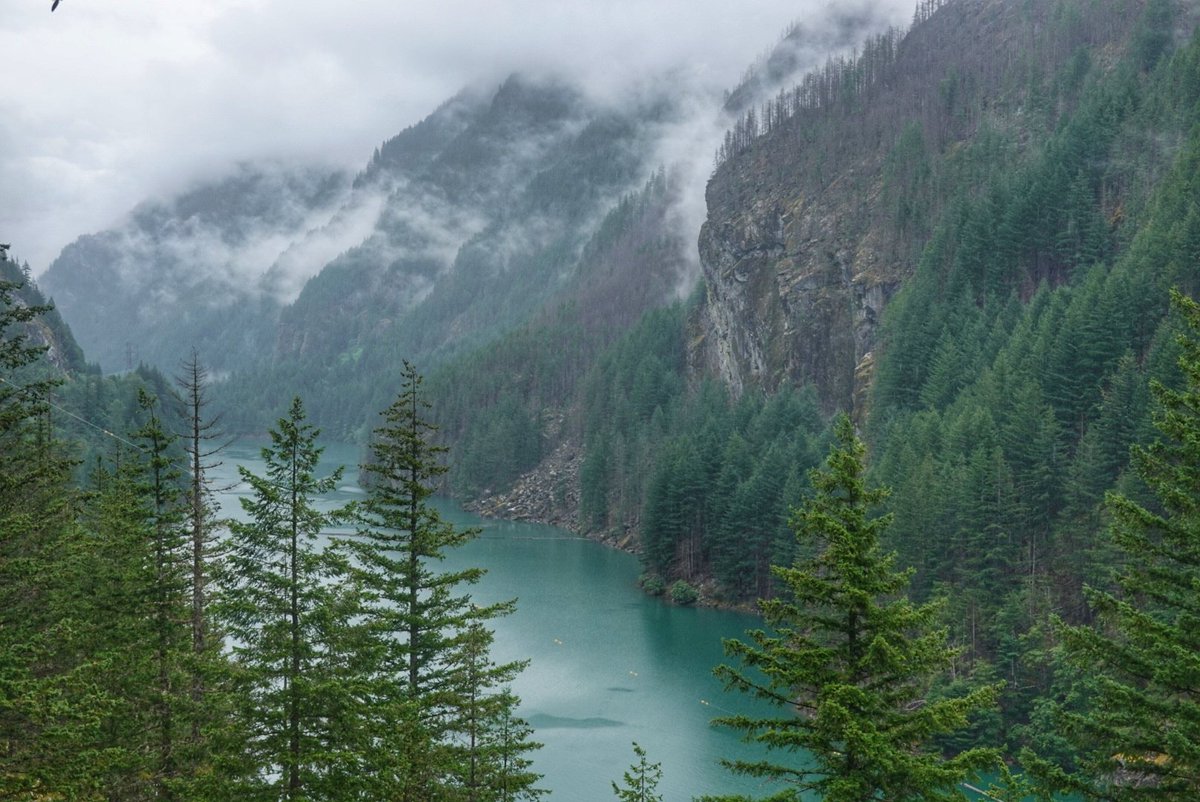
x,y
1046,202
991,562
149,650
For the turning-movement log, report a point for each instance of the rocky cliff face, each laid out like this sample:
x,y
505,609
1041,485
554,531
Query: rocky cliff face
x,y
794,288
805,240
46,330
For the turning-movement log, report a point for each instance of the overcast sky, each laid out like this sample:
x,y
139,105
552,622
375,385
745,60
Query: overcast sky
x,y
106,102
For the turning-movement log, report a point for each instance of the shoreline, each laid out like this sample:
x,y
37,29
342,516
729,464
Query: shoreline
x,y
518,506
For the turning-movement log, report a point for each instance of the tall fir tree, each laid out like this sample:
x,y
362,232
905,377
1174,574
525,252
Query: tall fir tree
x,y
490,743
160,487
849,660
435,693
286,614
1139,734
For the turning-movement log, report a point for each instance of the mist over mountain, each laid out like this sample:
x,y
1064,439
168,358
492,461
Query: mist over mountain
x,y
211,265
455,230
637,307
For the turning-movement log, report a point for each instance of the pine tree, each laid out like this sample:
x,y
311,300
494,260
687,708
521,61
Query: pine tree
x,y
211,755
286,613
50,705
1139,737
640,783
157,483
489,743
435,690
850,659
104,599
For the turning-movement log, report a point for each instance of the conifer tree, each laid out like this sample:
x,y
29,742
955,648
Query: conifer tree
x,y
490,744
640,782
50,706
213,762
286,615
849,660
435,693
1139,736
157,484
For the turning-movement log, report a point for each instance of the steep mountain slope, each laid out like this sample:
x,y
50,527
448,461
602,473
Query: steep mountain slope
x,y
459,229
47,331
478,234
974,254
825,196
505,406
85,414
490,204
972,185
194,269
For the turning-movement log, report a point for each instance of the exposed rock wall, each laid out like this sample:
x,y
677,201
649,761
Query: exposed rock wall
x,y
793,289
803,248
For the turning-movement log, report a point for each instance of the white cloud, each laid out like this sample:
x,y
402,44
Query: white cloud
x,y
107,102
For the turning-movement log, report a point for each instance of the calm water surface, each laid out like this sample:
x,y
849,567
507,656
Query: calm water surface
x,y
609,665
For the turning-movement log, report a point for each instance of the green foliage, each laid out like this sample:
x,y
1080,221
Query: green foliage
x,y
1012,379
1138,736
287,619
652,584
502,442
709,478
94,683
849,659
683,594
442,715
640,782
51,710
1153,33
113,682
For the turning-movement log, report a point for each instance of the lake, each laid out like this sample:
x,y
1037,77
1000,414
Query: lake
x,y
609,665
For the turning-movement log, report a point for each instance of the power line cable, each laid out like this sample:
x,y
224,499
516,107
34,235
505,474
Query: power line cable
x,y
82,420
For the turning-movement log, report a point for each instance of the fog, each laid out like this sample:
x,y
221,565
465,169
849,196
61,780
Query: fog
x,y
109,103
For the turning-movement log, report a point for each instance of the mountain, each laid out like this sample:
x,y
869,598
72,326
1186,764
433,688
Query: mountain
x,y
205,267
969,247
47,330
488,208
478,232
464,227
457,230
964,233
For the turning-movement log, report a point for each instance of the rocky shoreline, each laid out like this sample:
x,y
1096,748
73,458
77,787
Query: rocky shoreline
x,y
549,494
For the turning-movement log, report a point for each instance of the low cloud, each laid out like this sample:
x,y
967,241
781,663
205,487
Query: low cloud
x,y
109,103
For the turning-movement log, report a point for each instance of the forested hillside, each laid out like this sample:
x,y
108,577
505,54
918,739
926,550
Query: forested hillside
x,y
965,235
206,268
149,650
